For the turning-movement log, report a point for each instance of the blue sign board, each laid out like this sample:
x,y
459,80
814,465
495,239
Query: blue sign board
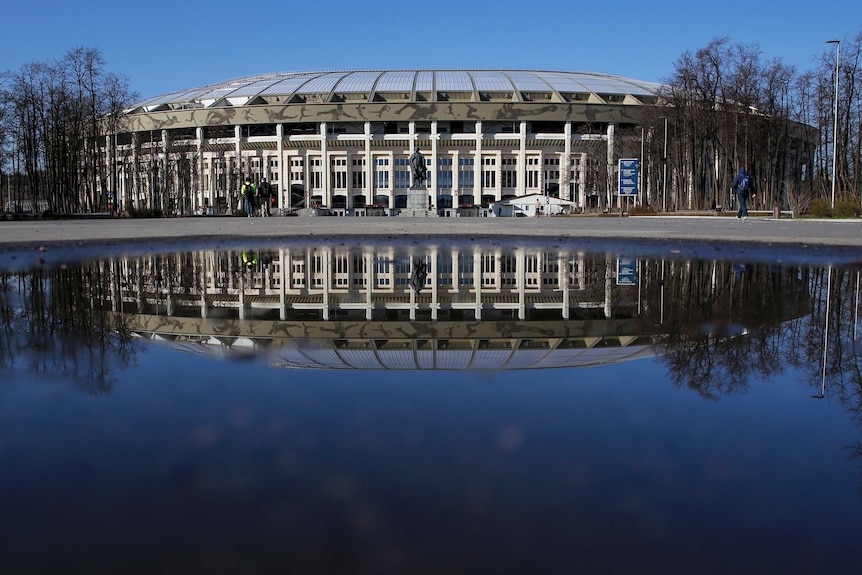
x,y
629,177
627,271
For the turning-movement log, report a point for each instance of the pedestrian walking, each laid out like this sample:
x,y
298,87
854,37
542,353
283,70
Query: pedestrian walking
x,y
263,197
741,186
248,191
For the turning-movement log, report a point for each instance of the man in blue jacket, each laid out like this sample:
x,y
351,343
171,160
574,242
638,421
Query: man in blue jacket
x,y
741,186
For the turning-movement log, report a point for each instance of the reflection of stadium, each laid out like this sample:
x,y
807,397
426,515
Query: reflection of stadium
x,y
475,308
343,139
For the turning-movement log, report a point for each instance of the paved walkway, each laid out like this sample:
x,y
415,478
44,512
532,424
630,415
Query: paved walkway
x,y
668,233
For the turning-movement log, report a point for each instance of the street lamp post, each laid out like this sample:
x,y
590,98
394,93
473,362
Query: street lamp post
x,y
664,170
835,119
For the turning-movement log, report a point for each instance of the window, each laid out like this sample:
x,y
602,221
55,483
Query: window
x,y
489,173
488,272
533,173
444,173
339,173
381,173
552,169
465,269
296,170
357,174
402,173
316,174
509,174
341,271
444,272
382,273
465,173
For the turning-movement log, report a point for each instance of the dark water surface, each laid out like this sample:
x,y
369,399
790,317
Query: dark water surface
x,y
328,410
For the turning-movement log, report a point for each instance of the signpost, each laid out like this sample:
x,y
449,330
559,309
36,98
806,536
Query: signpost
x,y
627,271
628,176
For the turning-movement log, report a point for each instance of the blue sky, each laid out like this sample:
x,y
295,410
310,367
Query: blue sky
x,y
166,46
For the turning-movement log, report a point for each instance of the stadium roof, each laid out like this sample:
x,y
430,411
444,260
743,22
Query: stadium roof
x,y
407,86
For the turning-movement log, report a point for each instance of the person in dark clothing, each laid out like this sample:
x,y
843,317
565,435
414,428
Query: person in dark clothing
x,y
263,197
741,186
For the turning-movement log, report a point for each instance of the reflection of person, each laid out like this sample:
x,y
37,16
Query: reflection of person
x,y
418,167
249,259
741,186
247,192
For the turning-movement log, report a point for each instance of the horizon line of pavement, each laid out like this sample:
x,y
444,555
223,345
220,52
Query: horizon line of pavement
x,y
676,227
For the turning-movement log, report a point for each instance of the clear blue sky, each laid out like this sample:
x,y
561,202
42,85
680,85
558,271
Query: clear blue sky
x,y
166,46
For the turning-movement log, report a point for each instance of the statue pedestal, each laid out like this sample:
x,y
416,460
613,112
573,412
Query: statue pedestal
x,y
417,203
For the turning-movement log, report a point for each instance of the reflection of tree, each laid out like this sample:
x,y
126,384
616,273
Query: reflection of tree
x,y
726,325
50,327
723,325
839,292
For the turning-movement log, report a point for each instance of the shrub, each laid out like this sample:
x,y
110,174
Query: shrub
x,y
847,209
642,210
820,208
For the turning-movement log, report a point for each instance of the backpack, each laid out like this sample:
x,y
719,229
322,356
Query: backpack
x,y
745,183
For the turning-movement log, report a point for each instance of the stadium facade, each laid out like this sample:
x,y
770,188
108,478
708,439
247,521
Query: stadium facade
x,y
342,139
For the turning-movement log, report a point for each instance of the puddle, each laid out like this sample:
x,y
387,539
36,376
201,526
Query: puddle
x,y
430,408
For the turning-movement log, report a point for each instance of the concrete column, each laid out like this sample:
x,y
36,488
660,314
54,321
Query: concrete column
x,y
368,257
435,302
326,256
368,192
283,170
282,288
136,176
566,164
110,165
611,167
477,166
201,190
521,279
434,191
237,137
163,173
477,282
324,165
456,185
522,159
582,181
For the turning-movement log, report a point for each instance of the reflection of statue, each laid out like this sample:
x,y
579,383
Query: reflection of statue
x,y
418,167
419,275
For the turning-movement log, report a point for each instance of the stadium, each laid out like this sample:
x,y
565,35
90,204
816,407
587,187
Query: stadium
x,y
341,140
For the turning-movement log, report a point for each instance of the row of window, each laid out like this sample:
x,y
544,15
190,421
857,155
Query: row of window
x,y
400,176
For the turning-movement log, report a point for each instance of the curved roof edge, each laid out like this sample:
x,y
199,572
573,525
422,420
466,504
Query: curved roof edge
x,y
407,85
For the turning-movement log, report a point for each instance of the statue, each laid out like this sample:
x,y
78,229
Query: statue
x,y
418,168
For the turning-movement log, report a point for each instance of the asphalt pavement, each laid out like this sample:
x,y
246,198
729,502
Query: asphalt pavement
x,y
759,237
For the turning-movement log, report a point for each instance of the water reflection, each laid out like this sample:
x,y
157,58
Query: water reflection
x,y
349,439
715,323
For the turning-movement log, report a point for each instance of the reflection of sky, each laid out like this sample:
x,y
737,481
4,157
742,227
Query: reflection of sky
x,y
236,459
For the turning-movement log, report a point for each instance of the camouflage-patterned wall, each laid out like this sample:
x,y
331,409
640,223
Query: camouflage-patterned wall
x,y
383,112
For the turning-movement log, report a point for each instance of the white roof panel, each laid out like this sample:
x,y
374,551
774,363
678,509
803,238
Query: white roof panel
x,y
454,81
357,82
492,81
403,81
397,81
